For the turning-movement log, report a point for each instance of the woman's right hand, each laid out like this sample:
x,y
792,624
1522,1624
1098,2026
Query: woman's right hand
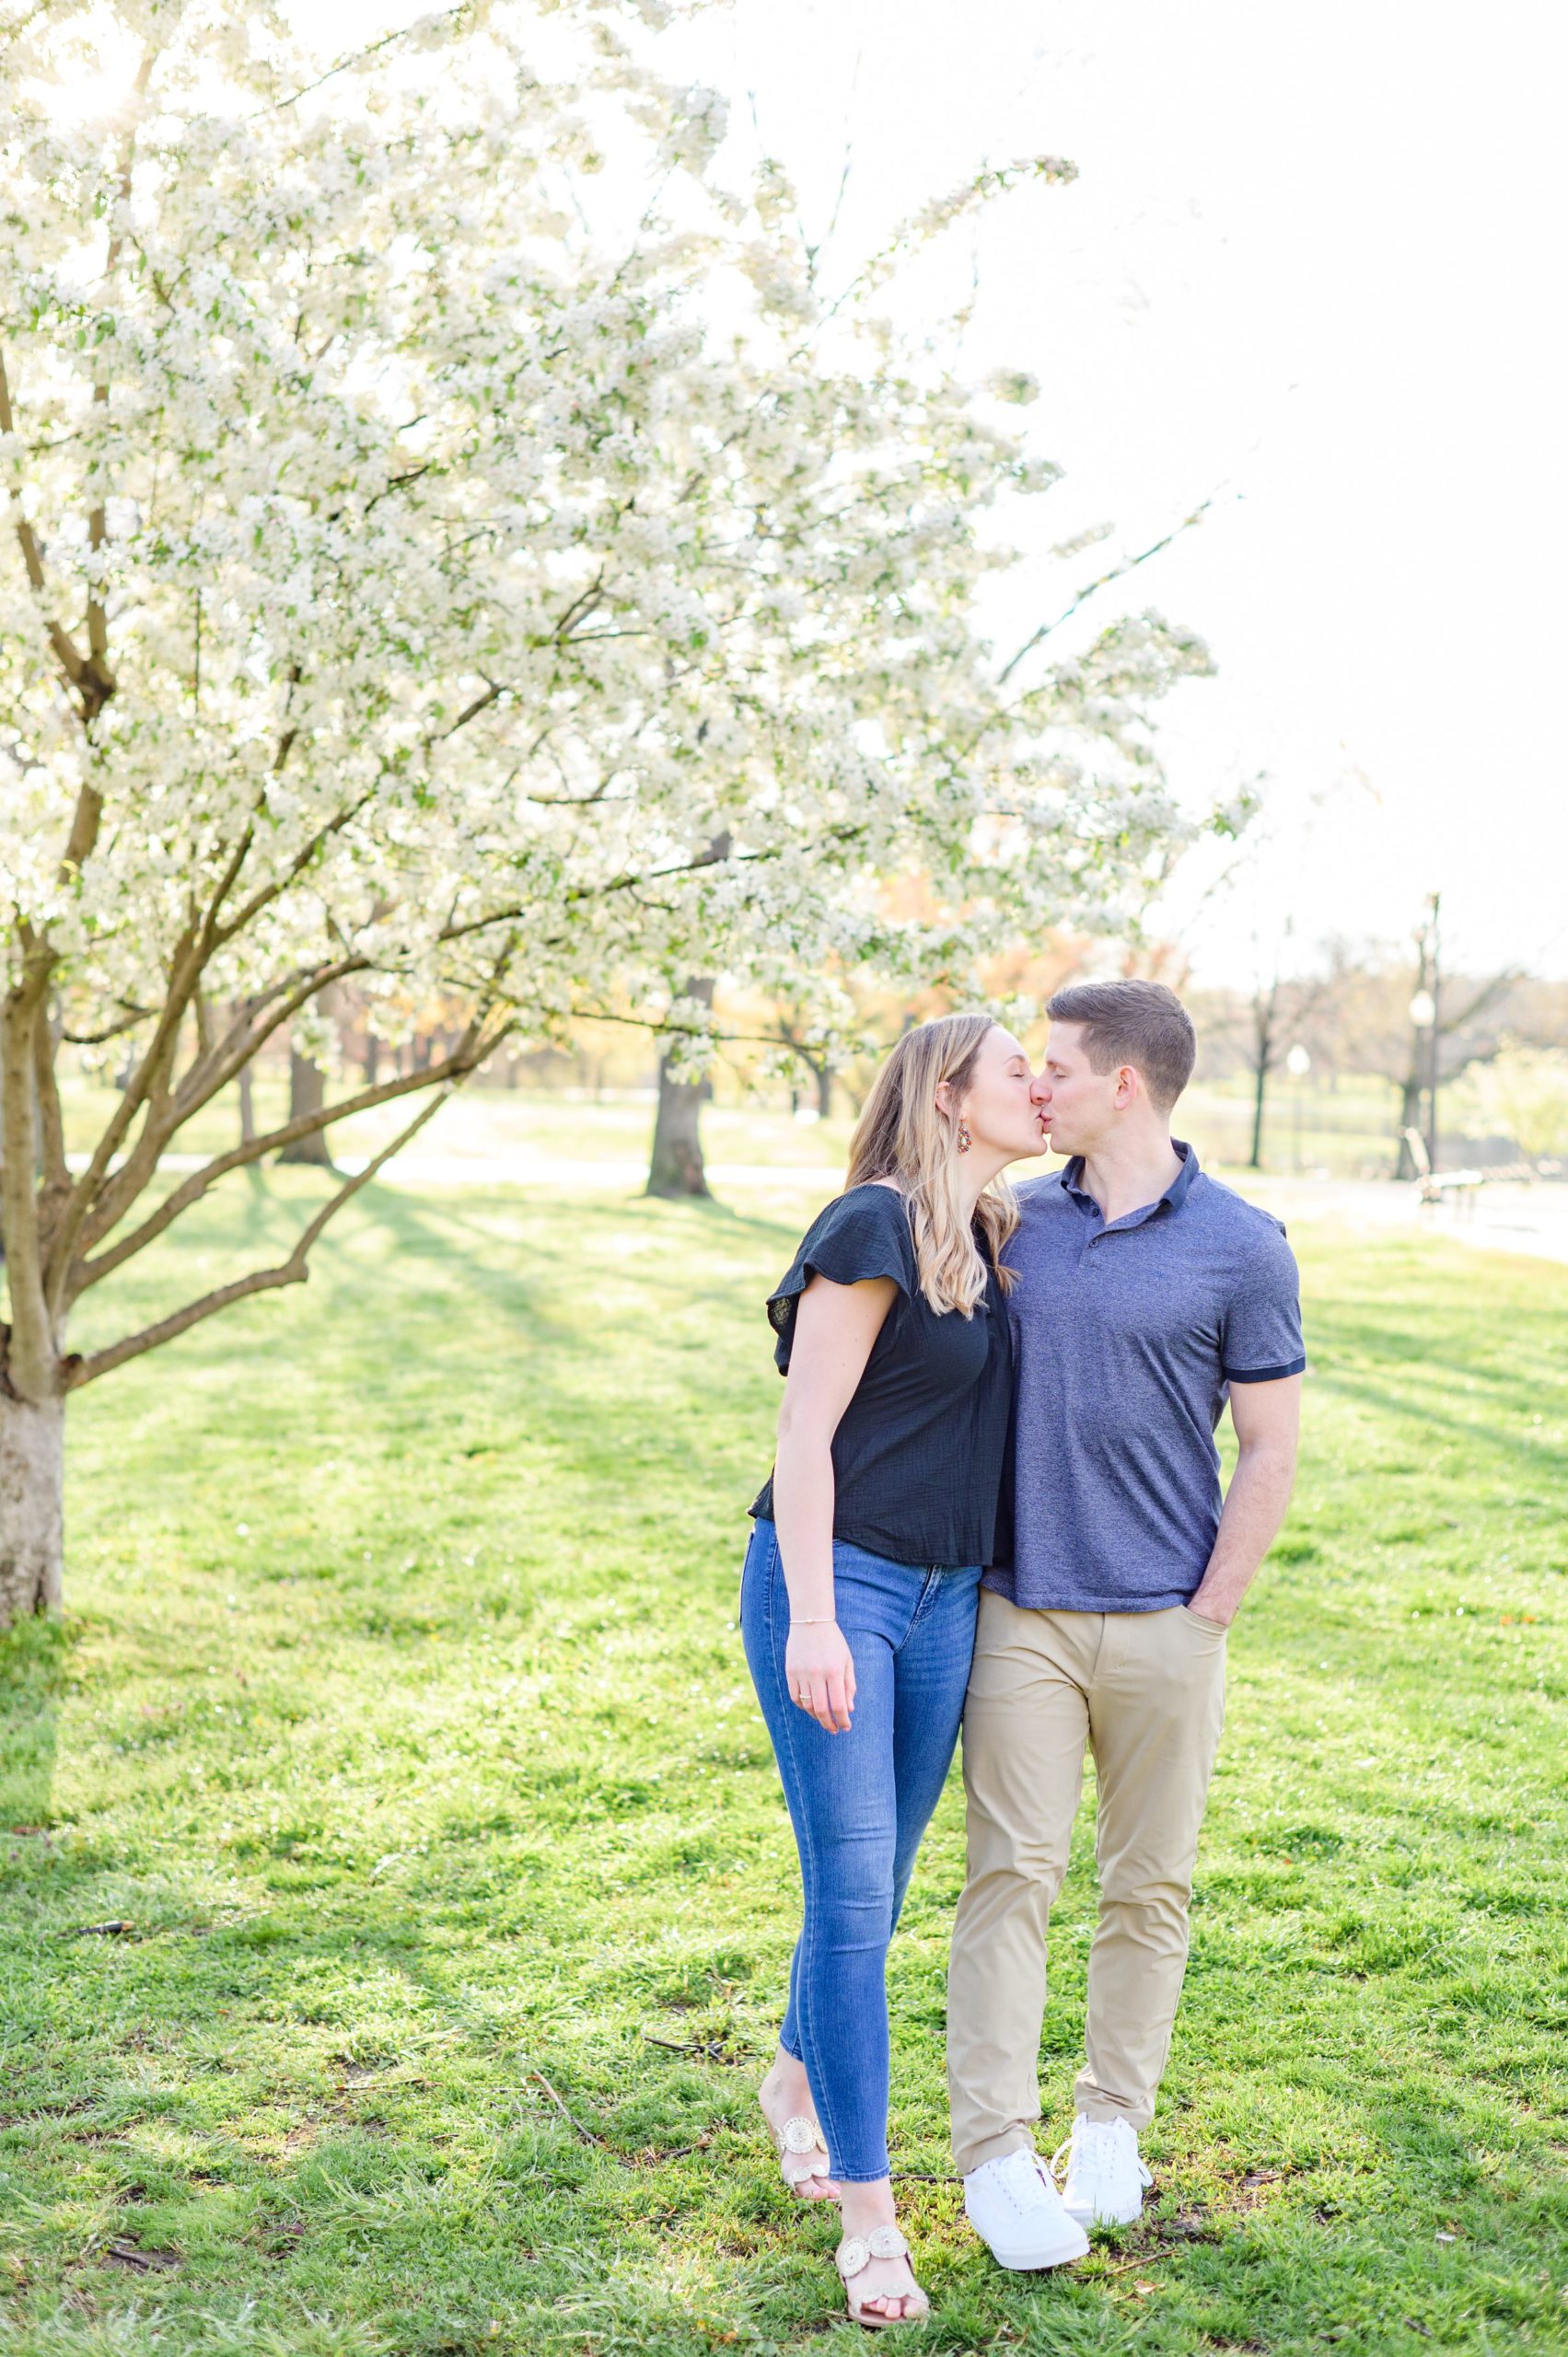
x,y
819,1675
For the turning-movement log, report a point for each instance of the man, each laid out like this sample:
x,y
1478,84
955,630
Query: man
x,y
1147,1294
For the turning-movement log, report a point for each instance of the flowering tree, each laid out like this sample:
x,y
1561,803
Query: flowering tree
x,y
1520,1092
438,561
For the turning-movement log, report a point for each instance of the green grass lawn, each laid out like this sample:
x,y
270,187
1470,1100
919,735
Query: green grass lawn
x,y
1348,1132
402,1712
490,1122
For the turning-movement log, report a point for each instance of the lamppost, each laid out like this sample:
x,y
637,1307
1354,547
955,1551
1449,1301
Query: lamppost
x,y
1424,1015
1298,1064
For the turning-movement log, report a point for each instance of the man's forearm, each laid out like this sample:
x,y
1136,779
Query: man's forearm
x,y
1254,1508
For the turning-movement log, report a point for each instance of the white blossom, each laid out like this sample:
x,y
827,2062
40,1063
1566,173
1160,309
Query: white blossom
x,y
429,563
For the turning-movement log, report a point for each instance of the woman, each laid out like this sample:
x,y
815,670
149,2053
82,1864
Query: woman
x,y
859,1592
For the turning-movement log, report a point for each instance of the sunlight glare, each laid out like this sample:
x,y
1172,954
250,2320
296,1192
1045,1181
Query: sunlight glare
x,y
110,58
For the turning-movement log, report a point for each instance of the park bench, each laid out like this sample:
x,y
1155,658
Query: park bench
x,y
1432,1185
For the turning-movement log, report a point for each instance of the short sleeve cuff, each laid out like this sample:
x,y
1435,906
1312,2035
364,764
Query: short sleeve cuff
x,y
1264,1373
852,1240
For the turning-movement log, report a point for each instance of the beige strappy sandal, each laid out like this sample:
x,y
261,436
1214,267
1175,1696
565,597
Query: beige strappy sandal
x,y
792,2143
854,2255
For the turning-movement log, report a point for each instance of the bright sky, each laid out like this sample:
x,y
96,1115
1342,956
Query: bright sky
x,y
1310,267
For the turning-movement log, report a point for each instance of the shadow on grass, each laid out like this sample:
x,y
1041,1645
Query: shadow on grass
x,y
465,1255
1439,1366
1394,1404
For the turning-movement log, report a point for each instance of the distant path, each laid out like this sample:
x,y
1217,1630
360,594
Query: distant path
x,y
526,1167
1504,1218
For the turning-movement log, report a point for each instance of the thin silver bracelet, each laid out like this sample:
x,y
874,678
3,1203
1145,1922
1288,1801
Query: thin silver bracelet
x,y
811,1620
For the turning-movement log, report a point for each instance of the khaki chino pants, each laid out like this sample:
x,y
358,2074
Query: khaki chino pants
x,y
1145,1690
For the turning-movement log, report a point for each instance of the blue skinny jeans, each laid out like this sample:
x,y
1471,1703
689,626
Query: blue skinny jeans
x,y
859,1802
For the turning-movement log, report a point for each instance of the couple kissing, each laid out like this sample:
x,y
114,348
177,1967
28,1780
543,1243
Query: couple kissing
x,y
996,1502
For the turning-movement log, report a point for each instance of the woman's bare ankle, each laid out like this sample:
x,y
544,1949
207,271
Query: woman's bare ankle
x,y
865,2207
786,2082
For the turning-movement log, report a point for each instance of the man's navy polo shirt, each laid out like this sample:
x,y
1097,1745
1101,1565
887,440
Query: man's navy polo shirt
x,y
1125,1342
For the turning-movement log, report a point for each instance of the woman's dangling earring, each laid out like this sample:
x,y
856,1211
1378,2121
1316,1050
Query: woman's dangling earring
x,y
965,1141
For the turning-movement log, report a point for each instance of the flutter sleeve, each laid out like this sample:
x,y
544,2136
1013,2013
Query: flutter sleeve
x,y
861,1235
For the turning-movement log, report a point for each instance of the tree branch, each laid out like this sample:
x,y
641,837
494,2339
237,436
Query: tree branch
x,y
97,533
292,1271
1091,588
472,1049
94,683
51,1126
846,832
267,893
494,690
127,1022
354,57
66,652
107,1200
120,1187
100,1200
82,840
665,1030
246,1035
582,605
143,1086
88,1370
395,483
237,858
1486,994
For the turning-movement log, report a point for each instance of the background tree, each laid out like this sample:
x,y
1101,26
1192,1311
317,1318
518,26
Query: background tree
x,y
1280,1007
817,1062
307,1056
676,1165
403,582
1520,1092
1370,988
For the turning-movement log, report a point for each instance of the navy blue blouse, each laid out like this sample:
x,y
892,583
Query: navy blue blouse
x,y
918,1454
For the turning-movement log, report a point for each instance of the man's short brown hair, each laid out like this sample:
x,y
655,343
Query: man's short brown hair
x,y
1141,1024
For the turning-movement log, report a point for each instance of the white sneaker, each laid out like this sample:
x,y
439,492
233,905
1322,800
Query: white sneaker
x,y
1014,2207
1105,2176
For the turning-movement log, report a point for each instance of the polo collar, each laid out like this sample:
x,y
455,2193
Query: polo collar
x,y
1175,1195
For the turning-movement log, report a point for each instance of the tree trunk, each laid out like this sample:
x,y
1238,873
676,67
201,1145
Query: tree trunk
x,y
1410,1119
1265,1012
825,1092
372,1057
246,1105
306,1094
32,1473
676,1166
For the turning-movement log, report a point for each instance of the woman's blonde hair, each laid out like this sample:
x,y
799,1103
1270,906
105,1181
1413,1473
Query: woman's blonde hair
x,y
904,1135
